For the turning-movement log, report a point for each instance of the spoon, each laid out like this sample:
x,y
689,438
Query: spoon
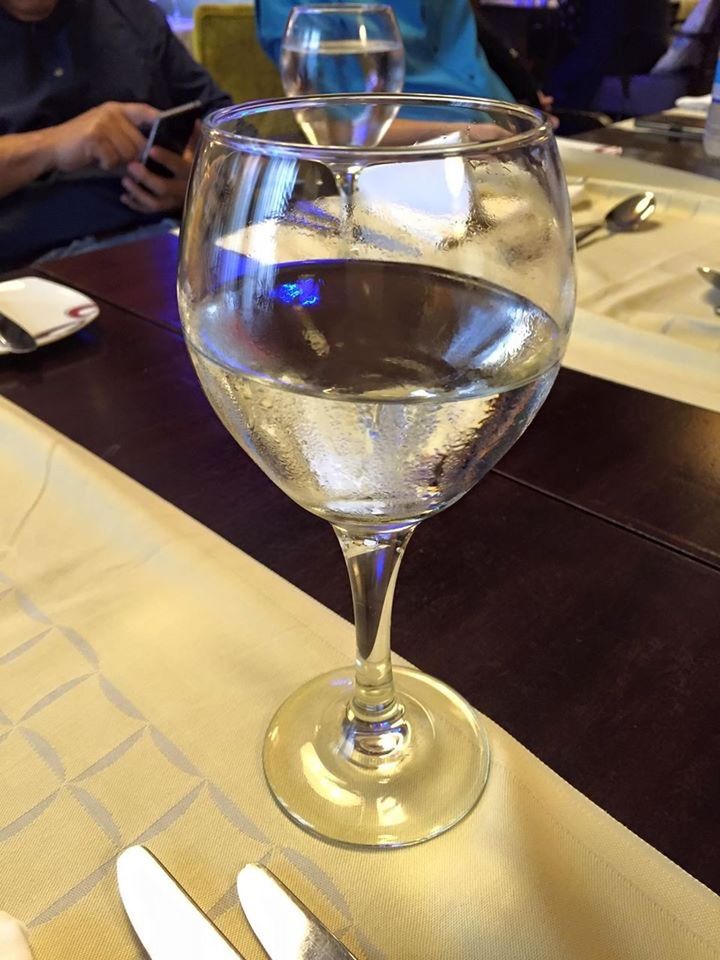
x,y
624,216
15,337
713,278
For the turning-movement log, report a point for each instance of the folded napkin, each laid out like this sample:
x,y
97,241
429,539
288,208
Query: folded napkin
x,y
13,939
141,658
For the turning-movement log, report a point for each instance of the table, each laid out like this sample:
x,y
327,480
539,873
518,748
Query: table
x,y
574,595
589,438
565,623
658,148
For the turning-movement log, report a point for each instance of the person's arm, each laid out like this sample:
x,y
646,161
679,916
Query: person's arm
x,y
105,136
23,158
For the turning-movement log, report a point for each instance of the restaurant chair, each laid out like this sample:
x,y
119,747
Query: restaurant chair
x,y
225,42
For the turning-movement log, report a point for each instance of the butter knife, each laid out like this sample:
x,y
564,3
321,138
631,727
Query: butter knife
x,y
15,337
283,925
168,923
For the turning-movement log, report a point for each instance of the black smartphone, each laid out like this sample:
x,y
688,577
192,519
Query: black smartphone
x,y
172,129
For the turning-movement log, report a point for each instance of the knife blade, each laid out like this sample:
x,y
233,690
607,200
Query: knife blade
x,y
283,925
168,923
15,337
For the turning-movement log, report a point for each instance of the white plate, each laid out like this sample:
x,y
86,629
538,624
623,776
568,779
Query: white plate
x,y
47,310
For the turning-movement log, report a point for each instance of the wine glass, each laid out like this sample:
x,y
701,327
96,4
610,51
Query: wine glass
x,y
343,48
375,358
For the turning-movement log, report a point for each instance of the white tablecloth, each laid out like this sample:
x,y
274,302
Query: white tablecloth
x,y
645,318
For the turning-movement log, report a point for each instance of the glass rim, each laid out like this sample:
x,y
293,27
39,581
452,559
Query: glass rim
x,y
539,131
340,8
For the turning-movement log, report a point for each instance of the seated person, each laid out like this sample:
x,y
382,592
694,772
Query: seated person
x,y
698,37
79,82
508,65
605,37
442,52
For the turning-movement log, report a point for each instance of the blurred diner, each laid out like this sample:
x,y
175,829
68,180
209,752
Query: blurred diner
x,y
81,82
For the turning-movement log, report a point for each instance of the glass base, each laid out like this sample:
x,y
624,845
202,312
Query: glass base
x,y
384,785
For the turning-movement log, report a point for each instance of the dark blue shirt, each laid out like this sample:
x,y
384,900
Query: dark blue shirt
x,y
85,53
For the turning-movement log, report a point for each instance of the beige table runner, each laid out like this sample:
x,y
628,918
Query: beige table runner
x,y
141,657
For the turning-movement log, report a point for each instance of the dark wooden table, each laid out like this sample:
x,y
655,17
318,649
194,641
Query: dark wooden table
x,y
574,595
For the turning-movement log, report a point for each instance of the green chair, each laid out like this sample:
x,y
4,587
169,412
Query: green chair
x,y
225,42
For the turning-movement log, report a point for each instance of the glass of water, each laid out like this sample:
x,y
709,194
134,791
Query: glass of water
x,y
376,351
342,48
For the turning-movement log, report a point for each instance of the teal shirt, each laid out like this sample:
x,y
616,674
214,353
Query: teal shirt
x,y
442,53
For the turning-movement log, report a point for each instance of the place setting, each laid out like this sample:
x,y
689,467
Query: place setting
x,y
217,744
646,307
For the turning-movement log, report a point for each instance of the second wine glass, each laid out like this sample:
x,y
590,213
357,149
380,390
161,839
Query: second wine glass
x,y
342,48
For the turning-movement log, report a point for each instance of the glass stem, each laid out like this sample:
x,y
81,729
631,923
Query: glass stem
x,y
373,560
346,182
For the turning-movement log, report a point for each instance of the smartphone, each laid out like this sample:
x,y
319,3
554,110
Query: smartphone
x,y
172,129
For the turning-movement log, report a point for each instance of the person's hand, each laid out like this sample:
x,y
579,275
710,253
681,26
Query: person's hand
x,y
147,192
546,101
106,136
13,939
546,104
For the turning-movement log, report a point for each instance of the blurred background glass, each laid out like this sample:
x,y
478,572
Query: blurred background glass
x,y
342,48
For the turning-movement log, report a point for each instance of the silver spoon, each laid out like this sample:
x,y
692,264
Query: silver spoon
x,y
15,337
713,278
624,216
